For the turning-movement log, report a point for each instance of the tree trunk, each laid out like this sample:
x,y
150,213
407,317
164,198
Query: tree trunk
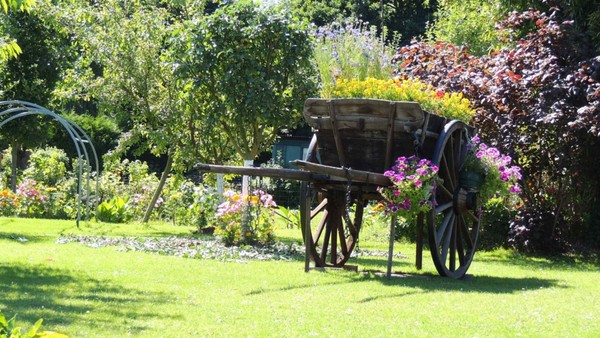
x,y
13,166
246,178
161,184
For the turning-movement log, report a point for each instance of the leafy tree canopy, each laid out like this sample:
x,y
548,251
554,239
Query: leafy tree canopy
x,y
8,46
254,67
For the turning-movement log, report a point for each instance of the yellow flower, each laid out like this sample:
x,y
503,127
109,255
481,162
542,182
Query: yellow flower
x,y
51,334
378,207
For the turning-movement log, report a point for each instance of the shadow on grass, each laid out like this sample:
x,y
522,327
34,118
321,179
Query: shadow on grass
x,y
65,297
568,263
25,239
424,282
471,284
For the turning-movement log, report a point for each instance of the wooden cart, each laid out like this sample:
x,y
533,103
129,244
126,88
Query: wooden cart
x,y
355,142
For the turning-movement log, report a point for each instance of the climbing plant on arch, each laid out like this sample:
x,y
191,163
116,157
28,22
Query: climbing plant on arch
x,y
12,110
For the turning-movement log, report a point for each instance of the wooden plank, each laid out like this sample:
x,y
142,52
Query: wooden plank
x,y
357,176
336,134
291,174
407,111
390,137
360,123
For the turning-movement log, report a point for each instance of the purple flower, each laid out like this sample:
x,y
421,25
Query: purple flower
x,y
421,172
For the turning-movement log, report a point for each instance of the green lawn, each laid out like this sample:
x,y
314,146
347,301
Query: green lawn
x,y
106,292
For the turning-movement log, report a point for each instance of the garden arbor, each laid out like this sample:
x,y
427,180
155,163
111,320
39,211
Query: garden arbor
x,y
12,110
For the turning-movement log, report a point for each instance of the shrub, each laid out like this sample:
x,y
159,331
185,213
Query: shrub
x,y
246,219
31,198
130,179
468,23
47,166
189,205
539,102
115,210
9,203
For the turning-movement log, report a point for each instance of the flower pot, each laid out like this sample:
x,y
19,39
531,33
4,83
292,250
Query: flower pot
x,y
470,180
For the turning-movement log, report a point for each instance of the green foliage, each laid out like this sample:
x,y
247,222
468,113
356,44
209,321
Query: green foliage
x,y
9,48
291,217
16,5
46,188
350,51
34,74
320,12
132,180
406,18
114,210
9,329
189,205
252,70
468,23
47,166
102,130
471,23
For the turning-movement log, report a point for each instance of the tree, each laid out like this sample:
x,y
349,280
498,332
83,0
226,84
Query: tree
x,y
128,65
471,23
254,68
32,76
405,17
8,46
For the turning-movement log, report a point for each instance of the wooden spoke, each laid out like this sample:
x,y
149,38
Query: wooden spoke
x,y
321,226
452,263
318,209
331,238
447,177
447,237
466,234
342,238
325,243
444,191
448,218
441,208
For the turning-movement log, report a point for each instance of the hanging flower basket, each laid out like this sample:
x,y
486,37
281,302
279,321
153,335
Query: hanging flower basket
x,y
471,180
413,185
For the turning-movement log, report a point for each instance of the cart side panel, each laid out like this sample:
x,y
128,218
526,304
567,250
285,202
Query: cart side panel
x,y
361,128
365,150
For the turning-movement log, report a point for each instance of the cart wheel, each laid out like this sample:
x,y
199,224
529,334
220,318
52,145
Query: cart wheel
x,y
332,234
454,223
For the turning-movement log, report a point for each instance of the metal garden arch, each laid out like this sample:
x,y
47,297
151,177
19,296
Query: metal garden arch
x,y
18,109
